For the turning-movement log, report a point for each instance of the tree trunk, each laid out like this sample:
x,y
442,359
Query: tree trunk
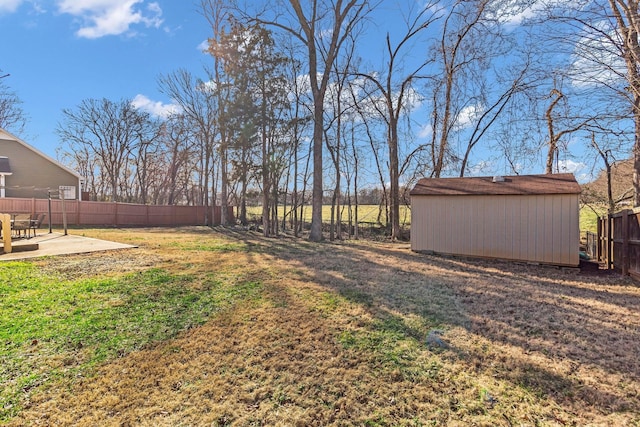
x,y
315,234
395,180
553,138
628,19
636,153
224,184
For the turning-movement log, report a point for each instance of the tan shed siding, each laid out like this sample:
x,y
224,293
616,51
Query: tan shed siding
x,y
420,212
543,230
558,227
529,228
570,254
470,237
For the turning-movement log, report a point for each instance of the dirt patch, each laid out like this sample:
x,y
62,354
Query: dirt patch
x,y
339,337
99,264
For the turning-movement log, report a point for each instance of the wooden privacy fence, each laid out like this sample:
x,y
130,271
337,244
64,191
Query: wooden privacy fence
x,y
113,213
618,243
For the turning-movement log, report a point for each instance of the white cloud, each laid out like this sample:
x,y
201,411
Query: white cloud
x,y
482,168
204,46
513,13
425,131
569,166
38,8
111,17
155,108
468,115
208,87
596,60
9,6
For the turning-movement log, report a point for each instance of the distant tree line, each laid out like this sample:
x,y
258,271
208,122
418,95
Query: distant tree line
x,y
291,112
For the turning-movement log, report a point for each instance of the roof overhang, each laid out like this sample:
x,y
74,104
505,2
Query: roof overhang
x,y
562,183
6,135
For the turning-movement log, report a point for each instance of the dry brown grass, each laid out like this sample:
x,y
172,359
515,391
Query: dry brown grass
x,y
338,338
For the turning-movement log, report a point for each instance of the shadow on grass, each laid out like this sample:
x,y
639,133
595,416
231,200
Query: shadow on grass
x,y
584,321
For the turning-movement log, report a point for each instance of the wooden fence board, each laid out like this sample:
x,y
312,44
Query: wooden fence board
x,y
619,242
112,214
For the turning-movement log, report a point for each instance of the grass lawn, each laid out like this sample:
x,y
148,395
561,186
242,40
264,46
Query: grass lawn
x,y
589,219
220,327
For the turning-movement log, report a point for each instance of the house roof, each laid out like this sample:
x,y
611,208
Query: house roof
x,y
8,136
562,183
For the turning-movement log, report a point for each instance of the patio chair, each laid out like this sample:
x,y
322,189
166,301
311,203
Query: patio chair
x,y
36,222
21,222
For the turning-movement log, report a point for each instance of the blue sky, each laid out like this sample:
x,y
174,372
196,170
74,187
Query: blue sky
x,y
59,52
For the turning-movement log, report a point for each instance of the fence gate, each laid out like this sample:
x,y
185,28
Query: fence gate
x,y
619,242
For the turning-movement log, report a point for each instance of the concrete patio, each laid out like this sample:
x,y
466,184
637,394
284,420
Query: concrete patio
x,y
50,244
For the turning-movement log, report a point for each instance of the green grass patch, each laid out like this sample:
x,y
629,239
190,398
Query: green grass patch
x,y
589,219
52,328
211,245
393,344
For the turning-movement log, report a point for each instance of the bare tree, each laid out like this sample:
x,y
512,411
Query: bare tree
x,y
217,14
110,131
458,49
494,111
12,116
627,19
300,116
83,161
366,118
395,91
194,97
177,142
322,27
602,38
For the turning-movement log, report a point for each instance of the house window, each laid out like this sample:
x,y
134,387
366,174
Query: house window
x,y
5,169
68,192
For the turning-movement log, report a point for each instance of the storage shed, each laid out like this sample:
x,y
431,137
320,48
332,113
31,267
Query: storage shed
x,y
531,218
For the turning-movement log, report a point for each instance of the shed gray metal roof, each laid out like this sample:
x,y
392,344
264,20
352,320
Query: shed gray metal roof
x,y
562,183
5,168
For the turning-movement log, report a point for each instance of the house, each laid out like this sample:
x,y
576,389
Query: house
x,y
531,218
28,173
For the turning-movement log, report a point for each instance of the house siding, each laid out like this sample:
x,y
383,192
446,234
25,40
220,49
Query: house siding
x,y
533,228
33,174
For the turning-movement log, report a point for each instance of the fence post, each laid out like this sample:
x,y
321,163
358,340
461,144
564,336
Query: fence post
x,y
625,242
609,241
599,241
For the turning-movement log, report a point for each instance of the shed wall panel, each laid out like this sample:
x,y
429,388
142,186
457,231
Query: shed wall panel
x,y
538,228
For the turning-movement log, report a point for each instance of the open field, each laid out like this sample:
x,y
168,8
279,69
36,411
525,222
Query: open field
x,y
221,327
366,213
589,219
